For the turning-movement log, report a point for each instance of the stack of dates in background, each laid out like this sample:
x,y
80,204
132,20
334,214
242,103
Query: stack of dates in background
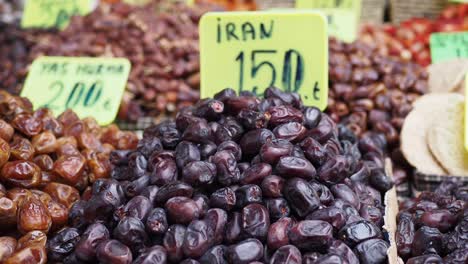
x,y
236,179
161,41
45,162
371,92
433,228
15,45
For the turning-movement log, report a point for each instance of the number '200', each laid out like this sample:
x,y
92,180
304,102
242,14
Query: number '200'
x,y
80,94
289,82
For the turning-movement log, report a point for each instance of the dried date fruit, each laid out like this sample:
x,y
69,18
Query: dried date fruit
x,y
21,148
241,197
311,234
371,92
7,247
33,215
19,173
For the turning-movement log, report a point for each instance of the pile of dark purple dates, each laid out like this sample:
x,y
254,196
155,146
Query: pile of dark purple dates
x,y
236,179
433,228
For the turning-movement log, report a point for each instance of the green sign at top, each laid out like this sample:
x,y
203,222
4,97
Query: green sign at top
x,y
342,15
446,46
53,13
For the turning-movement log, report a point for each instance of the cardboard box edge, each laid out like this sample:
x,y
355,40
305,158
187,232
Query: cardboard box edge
x,y
391,211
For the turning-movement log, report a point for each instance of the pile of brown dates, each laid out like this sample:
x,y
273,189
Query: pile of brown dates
x,y
236,179
45,162
372,92
433,228
160,40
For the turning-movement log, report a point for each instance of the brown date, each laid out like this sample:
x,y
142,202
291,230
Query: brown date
x,y
6,130
8,209
44,162
33,238
70,168
27,124
58,213
7,247
34,254
4,152
20,173
33,215
44,142
18,194
62,193
21,148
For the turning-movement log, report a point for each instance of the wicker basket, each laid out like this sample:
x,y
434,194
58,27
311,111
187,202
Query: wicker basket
x,y
401,10
372,10
429,182
141,124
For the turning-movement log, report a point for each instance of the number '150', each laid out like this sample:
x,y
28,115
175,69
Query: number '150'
x,y
290,81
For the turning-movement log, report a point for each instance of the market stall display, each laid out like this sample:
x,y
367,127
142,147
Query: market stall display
x,y
237,179
372,92
45,163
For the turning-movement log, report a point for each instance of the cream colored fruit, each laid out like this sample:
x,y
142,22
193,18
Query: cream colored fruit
x,y
427,110
446,138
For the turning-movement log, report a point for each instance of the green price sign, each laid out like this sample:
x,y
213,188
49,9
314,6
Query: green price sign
x,y
53,13
446,46
342,15
89,86
251,51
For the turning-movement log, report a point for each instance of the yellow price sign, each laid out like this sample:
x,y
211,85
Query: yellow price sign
x,y
466,112
342,15
89,86
53,13
251,51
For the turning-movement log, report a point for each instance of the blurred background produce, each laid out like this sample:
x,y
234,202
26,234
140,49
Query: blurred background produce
x,y
409,39
15,48
159,39
372,92
11,10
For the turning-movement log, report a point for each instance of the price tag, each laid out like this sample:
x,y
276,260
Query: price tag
x,y
446,46
53,13
90,86
251,51
342,15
